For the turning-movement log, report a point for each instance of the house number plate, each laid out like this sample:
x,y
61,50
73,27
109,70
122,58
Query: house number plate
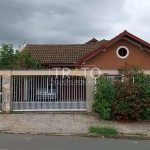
x,y
5,81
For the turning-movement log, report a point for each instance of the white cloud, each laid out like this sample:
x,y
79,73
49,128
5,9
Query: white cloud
x,y
138,24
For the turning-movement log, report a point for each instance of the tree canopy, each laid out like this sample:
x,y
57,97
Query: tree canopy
x,y
17,59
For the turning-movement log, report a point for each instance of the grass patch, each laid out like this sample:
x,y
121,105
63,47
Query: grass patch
x,y
139,134
104,130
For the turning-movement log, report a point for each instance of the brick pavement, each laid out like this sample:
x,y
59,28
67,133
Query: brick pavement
x,y
63,124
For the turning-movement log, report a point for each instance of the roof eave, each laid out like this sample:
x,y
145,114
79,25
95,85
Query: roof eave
x,y
58,64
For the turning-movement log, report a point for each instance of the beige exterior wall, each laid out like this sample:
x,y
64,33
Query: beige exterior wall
x,y
79,72
43,72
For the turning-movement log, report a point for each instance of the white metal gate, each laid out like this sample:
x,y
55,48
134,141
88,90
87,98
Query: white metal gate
x,y
48,93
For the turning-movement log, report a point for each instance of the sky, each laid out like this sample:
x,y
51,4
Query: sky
x,y
71,21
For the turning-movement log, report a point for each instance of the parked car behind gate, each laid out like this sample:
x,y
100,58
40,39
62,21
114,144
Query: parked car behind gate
x,y
47,92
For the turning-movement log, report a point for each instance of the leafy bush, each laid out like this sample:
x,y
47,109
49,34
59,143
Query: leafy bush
x,y
126,104
103,107
132,100
103,100
128,100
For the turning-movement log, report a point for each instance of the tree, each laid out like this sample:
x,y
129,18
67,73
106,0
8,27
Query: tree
x,y
7,57
11,59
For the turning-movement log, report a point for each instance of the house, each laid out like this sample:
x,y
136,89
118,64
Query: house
x,y
104,54
43,90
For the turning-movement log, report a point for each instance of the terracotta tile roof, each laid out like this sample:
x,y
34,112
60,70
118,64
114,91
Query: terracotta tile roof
x,y
92,41
62,53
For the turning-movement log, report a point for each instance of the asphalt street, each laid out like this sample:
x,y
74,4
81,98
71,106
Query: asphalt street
x,y
45,142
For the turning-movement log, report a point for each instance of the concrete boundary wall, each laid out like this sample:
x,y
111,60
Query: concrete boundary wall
x,y
6,82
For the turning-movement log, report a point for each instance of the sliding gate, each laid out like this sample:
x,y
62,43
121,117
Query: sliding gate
x,y
48,93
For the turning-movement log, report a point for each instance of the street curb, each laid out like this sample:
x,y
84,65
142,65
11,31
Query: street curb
x,y
120,136
112,136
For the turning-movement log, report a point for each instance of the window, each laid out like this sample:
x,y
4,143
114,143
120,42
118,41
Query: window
x,y
122,52
113,78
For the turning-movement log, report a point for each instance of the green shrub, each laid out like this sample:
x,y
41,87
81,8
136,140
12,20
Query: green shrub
x,y
126,104
103,107
129,100
103,96
132,100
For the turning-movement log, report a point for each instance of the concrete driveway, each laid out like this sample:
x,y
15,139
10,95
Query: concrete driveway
x,y
64,124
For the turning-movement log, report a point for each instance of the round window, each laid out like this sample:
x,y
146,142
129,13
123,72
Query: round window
x,y
122,52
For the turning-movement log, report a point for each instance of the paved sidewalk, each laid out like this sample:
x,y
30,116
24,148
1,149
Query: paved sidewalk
x,y
63,123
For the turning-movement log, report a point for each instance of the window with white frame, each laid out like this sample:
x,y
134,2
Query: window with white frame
x,y
122,52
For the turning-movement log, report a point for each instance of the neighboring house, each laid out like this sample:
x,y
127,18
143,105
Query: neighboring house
x,y
40,91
